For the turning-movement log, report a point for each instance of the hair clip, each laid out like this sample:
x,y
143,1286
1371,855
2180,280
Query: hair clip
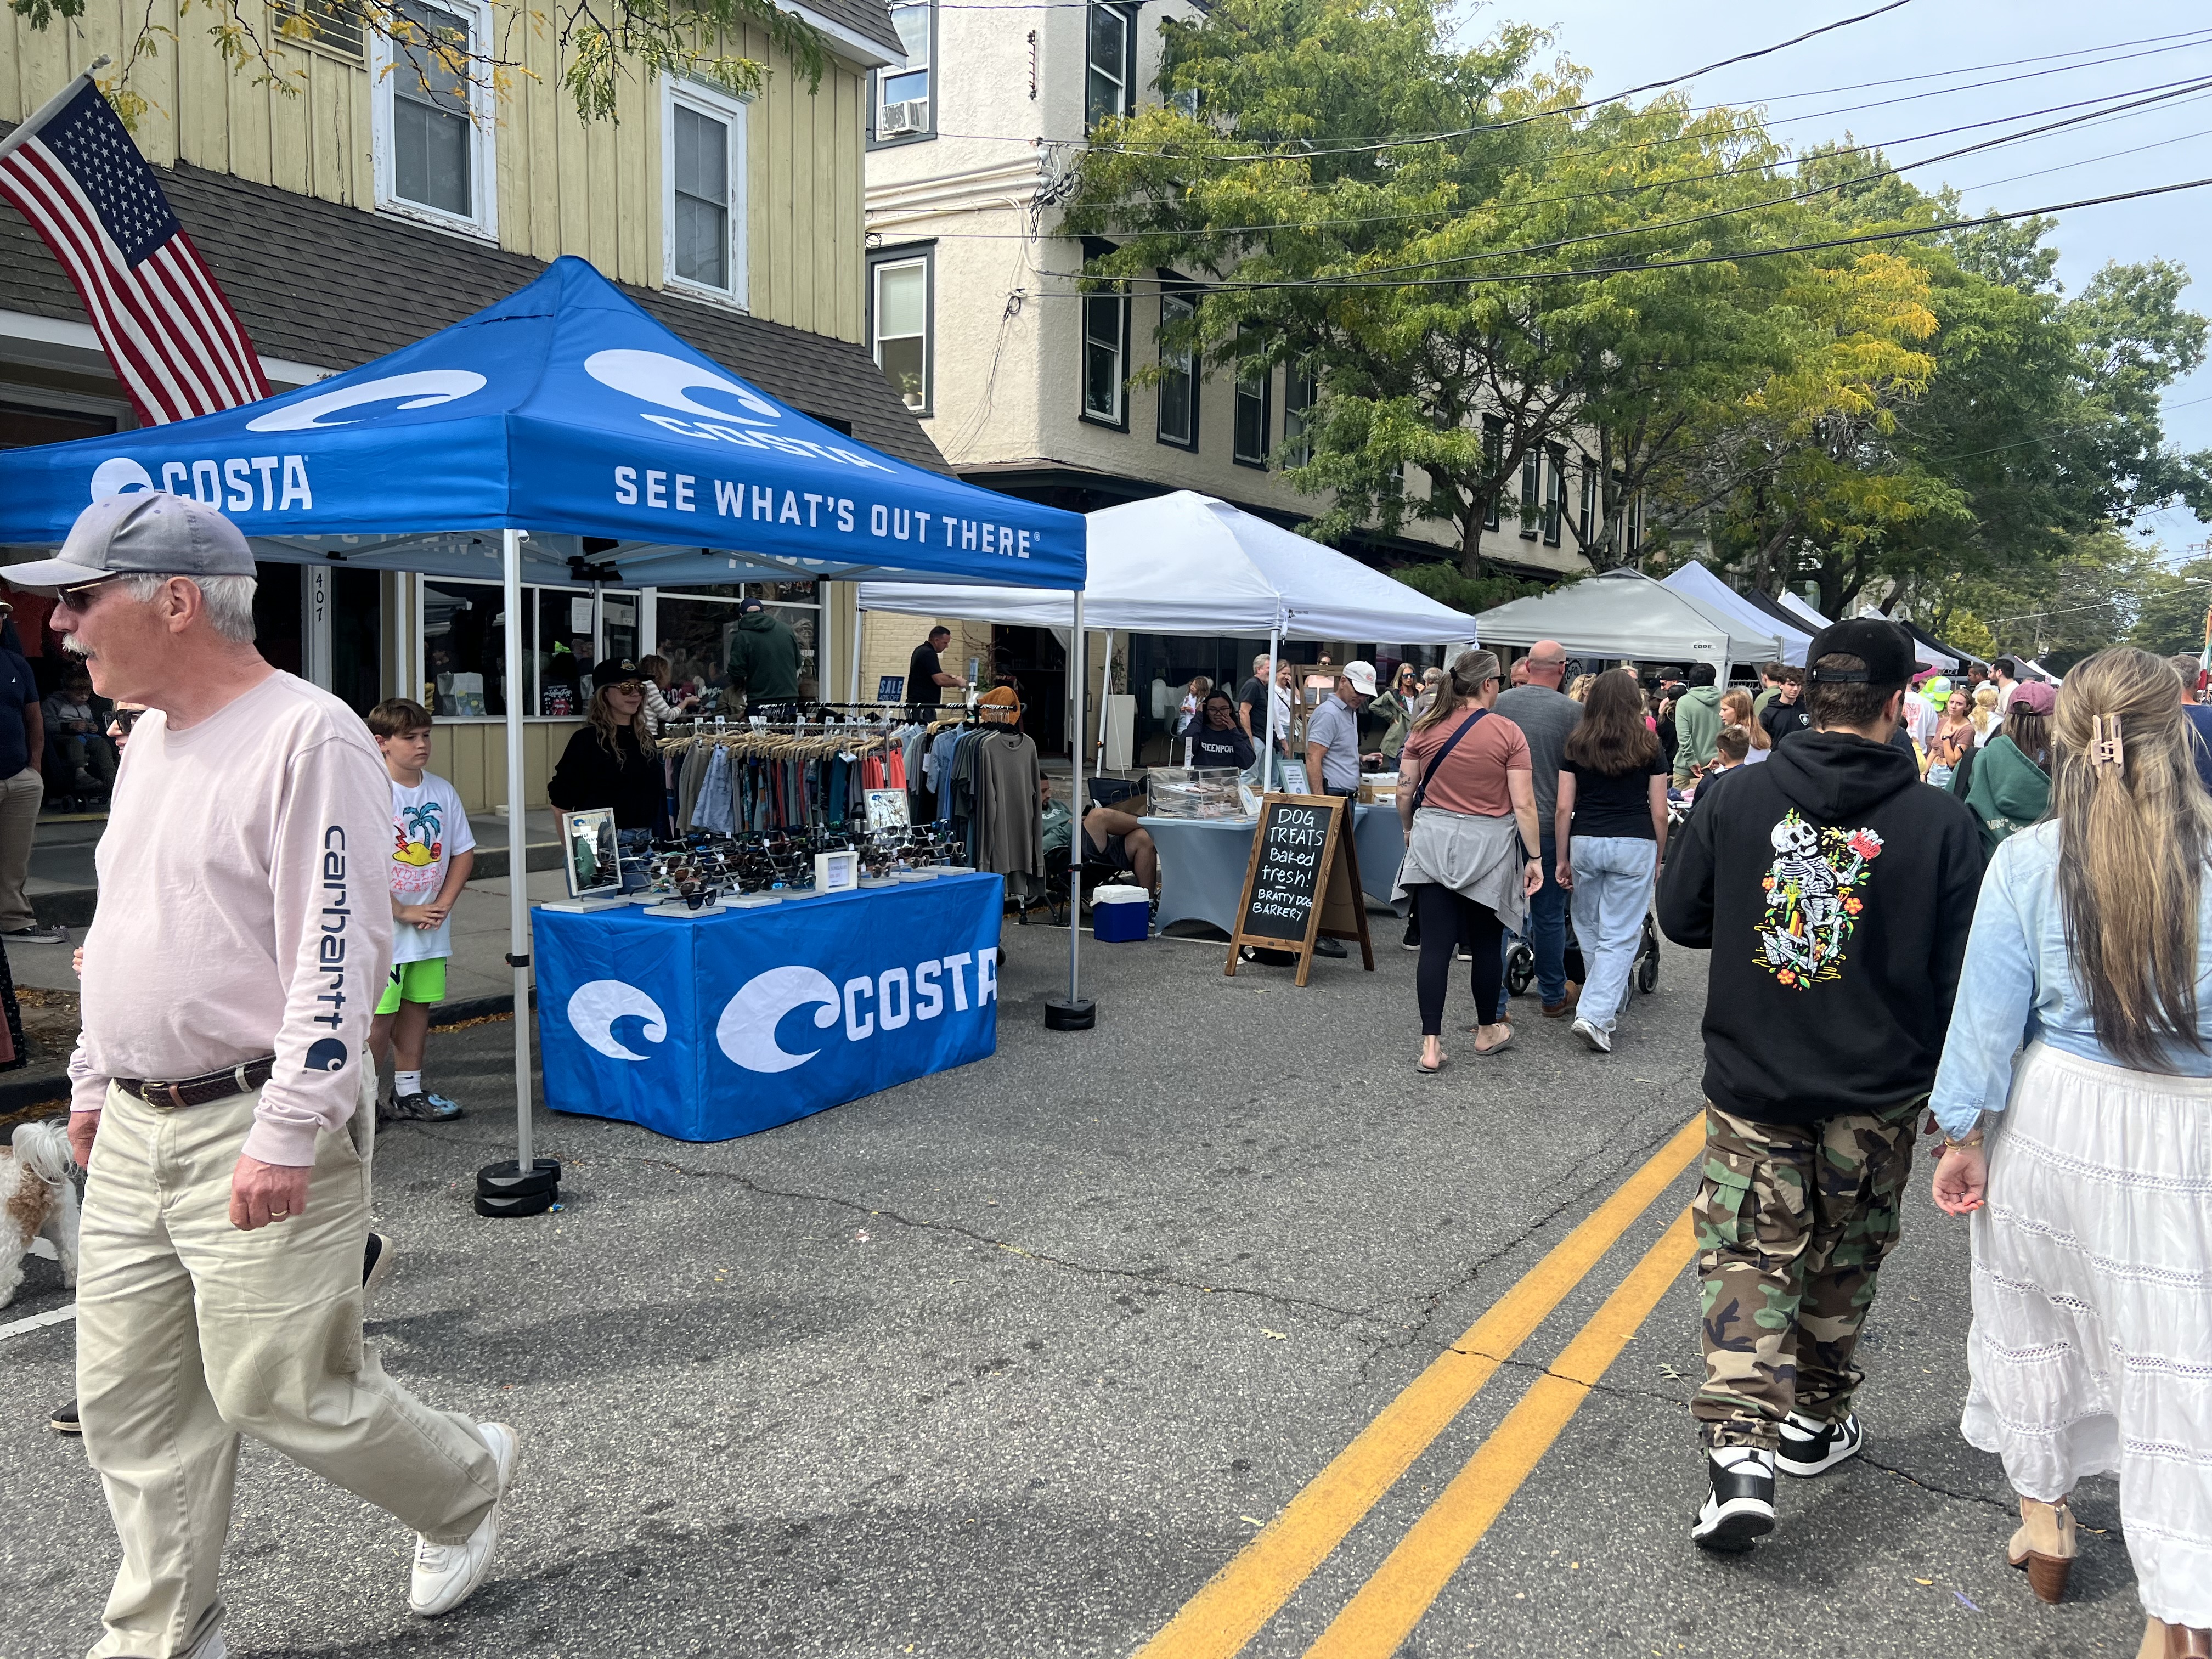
x,y
2105,748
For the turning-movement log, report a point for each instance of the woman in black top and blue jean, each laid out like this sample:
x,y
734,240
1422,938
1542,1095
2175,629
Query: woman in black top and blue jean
x,y
1611,831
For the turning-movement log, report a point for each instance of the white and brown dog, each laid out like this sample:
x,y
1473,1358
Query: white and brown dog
x,y
38,1200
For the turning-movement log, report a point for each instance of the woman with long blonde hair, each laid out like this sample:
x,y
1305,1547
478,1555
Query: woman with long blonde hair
x,y
2087,1165
1986,723
1736,710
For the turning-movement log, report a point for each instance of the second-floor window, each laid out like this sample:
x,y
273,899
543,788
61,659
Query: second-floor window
x,y
1493,453
1254,418
1111,69
899,301
1105,348
904,108
1532,480
1300,386
434,151
1178,423
701,199
1588,516
1555,493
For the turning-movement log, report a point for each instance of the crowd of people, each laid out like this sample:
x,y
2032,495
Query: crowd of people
x,y
2011,957
1981,909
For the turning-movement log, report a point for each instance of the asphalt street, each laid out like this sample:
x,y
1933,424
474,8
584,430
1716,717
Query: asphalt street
x,y
1011,1361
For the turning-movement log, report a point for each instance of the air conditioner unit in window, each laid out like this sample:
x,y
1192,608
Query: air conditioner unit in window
x,y
899,119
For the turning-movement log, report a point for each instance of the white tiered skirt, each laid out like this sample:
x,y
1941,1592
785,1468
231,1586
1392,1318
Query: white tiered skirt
x,y
2091,1352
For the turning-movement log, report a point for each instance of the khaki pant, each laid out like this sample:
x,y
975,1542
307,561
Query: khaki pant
x,y
21,798
191,1333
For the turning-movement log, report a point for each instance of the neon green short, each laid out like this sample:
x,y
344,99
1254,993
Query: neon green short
x,y
413,981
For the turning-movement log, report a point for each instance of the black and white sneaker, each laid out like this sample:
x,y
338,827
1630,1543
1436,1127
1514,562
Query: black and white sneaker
x,y
1740,1506
422,1107
42,932
63,1419
1810,1448
376,1257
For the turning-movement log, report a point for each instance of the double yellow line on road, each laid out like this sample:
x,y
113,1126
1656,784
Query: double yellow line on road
x,y
1223,1616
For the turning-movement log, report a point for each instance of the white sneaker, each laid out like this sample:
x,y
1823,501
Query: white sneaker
x,y
446,1575
1810,1447
1596,1041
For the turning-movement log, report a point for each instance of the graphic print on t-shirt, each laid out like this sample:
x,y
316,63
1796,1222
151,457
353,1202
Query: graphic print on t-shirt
x,y
418,851
1813,898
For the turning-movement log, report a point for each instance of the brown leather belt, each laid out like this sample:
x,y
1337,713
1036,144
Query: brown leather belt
x,y
199,1090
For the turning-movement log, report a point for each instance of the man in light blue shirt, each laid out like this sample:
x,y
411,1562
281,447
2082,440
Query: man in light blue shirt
x,y
1333,748
1333,731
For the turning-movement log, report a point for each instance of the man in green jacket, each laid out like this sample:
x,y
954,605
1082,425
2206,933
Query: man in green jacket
x,y
764,657
1697,725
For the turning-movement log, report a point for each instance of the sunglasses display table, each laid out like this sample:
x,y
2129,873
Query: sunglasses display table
x,y
711,1027
1203,860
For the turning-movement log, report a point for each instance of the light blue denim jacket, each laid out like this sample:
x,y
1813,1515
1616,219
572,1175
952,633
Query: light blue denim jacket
x,y
2018,985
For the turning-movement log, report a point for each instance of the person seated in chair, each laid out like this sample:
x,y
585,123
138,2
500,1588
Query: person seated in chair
x,y
1115,837
75,721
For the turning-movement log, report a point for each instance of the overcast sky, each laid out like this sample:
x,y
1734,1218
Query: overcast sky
x,y
1955,47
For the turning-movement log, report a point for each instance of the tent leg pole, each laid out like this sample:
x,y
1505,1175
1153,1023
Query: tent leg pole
x,y
518,854
859,617
1074,1012
1274,666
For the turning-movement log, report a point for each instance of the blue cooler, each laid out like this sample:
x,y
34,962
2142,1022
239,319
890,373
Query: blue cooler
x,y
1119,914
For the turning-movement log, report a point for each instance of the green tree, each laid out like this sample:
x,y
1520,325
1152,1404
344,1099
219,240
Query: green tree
x,y
2170,617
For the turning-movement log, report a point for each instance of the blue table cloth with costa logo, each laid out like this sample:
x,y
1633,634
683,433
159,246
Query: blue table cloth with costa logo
x,y
710,1028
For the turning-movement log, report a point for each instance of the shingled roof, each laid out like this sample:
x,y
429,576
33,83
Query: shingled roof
x,y
334,287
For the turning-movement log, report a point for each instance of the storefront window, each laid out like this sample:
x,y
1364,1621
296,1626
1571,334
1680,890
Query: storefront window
x,y
692,630
463,649
561,653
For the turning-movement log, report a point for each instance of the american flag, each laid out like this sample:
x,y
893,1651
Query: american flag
x,y
73,171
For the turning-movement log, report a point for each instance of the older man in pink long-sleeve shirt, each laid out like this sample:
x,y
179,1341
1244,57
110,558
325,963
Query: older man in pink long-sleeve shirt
x,y
219,1090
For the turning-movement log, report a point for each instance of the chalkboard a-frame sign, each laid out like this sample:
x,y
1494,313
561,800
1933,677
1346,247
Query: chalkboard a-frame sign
x,y
1302,883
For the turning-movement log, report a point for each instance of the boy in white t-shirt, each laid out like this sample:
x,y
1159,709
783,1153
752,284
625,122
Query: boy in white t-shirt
x,y
432,853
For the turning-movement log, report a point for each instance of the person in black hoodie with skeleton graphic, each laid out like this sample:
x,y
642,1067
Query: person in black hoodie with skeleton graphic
x,y
1835,892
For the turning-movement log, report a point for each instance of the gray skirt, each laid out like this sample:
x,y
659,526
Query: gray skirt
x,y
1479,858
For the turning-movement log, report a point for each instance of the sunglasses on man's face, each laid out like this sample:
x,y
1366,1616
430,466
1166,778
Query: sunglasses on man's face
x,y
122,720
79,598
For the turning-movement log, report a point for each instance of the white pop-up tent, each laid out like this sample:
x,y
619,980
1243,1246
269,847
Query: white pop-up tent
x,y
1186,563
1696,582
1624,613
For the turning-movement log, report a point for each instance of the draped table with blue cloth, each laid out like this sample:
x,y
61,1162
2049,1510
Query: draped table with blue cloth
x,y
1203,862
708,1029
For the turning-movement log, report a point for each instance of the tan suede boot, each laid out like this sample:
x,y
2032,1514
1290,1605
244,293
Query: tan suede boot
x,y
2164,1641
2045,1546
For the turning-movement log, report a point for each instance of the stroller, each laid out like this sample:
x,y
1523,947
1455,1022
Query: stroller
x,y
1521,960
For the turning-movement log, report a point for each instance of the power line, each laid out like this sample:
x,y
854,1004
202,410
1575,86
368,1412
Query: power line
x,y
1722,213
1600,272
2097,118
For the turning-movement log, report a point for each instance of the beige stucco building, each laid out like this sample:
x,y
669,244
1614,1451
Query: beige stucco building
x,y
1021,382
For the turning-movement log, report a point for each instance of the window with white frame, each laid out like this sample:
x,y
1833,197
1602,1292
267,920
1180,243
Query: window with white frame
x,y
1301,387
1178,423
904,108
1255,418
1110,66
1105,348
1555,493
703,147
432,119
899,307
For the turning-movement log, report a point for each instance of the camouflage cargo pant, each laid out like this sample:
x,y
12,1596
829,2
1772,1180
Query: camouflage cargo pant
x,y
1793,1223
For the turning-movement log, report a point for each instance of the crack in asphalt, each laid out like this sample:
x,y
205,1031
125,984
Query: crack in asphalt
x,y
2001,1507
974,1236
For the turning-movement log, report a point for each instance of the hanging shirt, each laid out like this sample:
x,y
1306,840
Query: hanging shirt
x,y
429,829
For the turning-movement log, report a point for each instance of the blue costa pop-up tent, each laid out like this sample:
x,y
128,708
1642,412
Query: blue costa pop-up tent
x,y
559,435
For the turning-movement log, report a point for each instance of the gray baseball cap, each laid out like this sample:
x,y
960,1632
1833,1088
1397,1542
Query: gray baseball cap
x,y
145,530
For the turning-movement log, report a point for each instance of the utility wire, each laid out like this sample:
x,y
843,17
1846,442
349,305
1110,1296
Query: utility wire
x,y
1941,229
1721,213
